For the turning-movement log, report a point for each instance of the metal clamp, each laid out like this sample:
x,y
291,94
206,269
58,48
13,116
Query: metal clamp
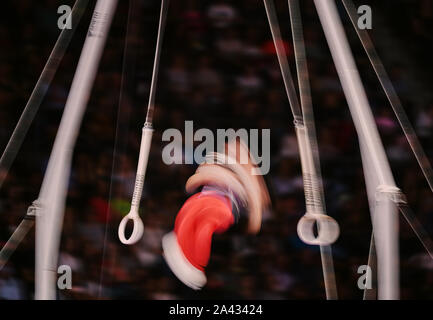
x,y
393,193
34,208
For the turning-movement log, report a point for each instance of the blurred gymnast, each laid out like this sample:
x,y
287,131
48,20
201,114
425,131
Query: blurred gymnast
x,y
230,184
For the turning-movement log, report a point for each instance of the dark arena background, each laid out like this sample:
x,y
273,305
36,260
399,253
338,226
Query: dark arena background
x,y
218,70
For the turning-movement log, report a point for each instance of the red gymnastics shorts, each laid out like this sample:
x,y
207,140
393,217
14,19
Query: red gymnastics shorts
x,y
187,250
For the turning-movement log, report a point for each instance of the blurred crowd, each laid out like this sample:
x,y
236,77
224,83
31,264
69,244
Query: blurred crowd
x,y
218,69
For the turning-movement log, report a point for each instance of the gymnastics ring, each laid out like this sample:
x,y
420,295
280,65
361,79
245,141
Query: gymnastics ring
x,y
328,229
137,231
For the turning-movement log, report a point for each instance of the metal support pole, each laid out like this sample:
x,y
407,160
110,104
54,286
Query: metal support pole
x,y
52,197
385,218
